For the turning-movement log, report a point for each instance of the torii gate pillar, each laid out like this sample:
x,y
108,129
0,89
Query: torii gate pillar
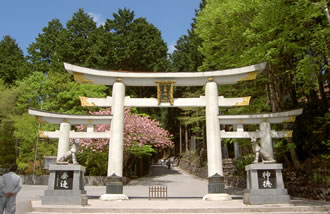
x,y
64,140
266,138
114,189
214,157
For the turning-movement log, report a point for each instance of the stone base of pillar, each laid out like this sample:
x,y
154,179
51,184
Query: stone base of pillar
x,y
216,184
114,185
114,188
217,197
265,185
113,197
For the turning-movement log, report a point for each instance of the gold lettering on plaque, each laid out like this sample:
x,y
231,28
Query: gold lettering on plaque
x,y
165,91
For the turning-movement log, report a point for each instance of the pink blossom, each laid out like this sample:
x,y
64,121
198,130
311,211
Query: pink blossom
x,y
137,129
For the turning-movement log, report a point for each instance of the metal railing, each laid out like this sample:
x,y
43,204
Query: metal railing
x,y
157,192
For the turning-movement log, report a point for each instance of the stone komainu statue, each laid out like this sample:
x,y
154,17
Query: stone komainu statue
x,y
71,153
259,152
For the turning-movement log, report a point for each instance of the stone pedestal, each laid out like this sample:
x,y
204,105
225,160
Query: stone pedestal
x,y
114,189
265,185
65,186
216,189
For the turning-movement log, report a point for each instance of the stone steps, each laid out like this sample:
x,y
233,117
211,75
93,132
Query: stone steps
x,y
308,212
108,208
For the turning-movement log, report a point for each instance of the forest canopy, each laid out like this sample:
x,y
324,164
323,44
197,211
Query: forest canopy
x,y
291,36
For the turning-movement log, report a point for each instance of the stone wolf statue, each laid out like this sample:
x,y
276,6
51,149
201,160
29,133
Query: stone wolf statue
x,y
259,152
71,153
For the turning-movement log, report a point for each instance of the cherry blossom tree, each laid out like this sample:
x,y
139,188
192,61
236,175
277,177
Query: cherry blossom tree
x,y
142,137
138,131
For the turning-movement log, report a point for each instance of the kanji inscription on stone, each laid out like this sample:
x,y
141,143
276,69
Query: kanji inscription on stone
x,y
63,180
267,179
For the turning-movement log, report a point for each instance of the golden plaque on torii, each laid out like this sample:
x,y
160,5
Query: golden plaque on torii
x,y
165,91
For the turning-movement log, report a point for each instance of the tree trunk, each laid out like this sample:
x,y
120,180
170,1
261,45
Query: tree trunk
x,y
180,131
324,98
272,91
225,151
295,159
287,161
141,166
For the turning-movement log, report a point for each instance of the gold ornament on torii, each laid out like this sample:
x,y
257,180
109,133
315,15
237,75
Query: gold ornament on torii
x,y
165,91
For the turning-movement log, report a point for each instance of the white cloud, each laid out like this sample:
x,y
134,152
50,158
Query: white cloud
x,y
97,18
171,48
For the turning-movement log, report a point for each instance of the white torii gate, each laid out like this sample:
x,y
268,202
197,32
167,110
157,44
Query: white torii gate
x,y
65,121
264,120
210,79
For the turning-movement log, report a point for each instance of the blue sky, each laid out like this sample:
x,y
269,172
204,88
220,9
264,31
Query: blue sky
x,y
23,20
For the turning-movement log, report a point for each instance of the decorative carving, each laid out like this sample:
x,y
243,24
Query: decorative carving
x,y
288,134
84,102
165,91
79,77
40,120
245,102
42,134
249,76
265,157
291,119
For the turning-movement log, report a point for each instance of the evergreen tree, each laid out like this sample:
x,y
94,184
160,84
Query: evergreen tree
x,y
12,61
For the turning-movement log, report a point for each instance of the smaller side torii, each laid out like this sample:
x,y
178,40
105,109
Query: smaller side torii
x,y
264,133
65,133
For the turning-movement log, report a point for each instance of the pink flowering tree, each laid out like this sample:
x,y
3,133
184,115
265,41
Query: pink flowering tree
x,y
142,137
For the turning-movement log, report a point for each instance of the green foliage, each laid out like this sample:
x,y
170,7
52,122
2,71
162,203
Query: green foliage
x,y
31,91
26,134
7,100
12,61
140,151
241,162
7,144
95,162
291,36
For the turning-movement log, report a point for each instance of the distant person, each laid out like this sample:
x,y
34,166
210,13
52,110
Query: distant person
x,y
169,163
10,185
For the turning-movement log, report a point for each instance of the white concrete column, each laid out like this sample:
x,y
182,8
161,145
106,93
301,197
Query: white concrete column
x,y
266,138
115,159
214,156
237,152
64,140
90,128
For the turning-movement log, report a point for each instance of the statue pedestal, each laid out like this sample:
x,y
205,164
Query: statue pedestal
x,y
65,186
265,185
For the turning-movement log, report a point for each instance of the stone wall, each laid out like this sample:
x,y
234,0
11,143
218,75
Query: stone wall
x,y
305,191
229,170
193,169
